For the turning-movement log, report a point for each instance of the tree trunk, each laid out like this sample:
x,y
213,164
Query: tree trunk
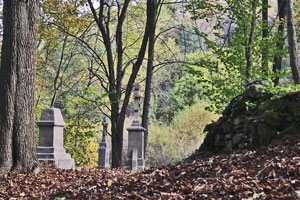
x,y
264,37
134,72
118,105
146,106
279,45
17,86
248,49
117,139
292,39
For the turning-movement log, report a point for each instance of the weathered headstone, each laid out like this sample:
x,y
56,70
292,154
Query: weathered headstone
x,y
50,149
135,155
104,148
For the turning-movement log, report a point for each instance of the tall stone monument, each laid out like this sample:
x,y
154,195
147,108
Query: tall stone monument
x,y
50,149
135,155
104,148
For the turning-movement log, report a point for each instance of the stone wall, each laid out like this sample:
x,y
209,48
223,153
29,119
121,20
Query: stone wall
x,y
253,119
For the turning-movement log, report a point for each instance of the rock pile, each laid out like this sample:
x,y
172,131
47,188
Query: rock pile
x,y
253,119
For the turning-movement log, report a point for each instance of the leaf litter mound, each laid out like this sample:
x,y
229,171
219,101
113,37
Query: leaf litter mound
x,y
271,172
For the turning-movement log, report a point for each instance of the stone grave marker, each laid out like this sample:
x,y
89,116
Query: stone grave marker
x,y
135,155
104,148
50,149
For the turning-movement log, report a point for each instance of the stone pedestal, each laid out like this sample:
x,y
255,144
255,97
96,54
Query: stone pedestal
x,y
104,148
50,149
135,155
103,153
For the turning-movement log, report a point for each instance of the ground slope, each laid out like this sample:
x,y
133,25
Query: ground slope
x,y
253,119
271,172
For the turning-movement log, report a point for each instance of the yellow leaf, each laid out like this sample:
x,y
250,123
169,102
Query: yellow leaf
x,y
109,182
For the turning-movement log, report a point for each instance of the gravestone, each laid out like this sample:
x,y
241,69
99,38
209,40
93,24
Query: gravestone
x,y
50,149
135,155
104,148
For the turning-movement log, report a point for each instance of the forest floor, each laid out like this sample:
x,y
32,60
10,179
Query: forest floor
x,y
271,172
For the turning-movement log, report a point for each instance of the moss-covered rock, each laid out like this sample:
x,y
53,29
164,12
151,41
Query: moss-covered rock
x,y
272,118
294,108
253,119
265,105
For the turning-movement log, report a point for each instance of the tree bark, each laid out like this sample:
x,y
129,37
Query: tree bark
x,y
248,49
17,86
265,36
117,139
152,5
280,44
292,40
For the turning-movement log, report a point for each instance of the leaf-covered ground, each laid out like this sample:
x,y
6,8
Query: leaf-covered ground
x,y
269,173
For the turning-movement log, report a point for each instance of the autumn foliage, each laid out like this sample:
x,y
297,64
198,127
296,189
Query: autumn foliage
x,y
271,172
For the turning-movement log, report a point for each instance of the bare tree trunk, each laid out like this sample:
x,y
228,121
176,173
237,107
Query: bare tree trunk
x,y
152,4
279,45
264,37
115,74
117,140
248,49
292,39
17,86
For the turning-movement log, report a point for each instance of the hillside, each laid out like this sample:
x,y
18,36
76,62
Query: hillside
x,y
253,119
271,172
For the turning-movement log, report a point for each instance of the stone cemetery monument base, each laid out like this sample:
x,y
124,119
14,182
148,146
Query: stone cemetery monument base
x,y
135,155
50,147
61,159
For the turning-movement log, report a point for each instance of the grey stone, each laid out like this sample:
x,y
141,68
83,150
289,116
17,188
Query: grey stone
x,y
238,120
104,148
228,137
252,91
227,128
229,146
135,155
236,139
297,194
50,147
136,143
134,160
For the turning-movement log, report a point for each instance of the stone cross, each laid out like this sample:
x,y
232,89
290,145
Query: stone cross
x,y
50,149
104,148
135,155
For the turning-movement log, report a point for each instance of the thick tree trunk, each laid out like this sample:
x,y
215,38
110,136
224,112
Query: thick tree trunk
x,y
117,139
279,45
17,86
152,4
292,39
265,36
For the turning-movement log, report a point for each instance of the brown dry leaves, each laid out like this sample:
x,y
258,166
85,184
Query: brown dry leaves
x,y
269,173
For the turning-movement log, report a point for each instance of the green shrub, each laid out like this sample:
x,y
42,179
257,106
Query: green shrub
x,y
170,143
81,143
